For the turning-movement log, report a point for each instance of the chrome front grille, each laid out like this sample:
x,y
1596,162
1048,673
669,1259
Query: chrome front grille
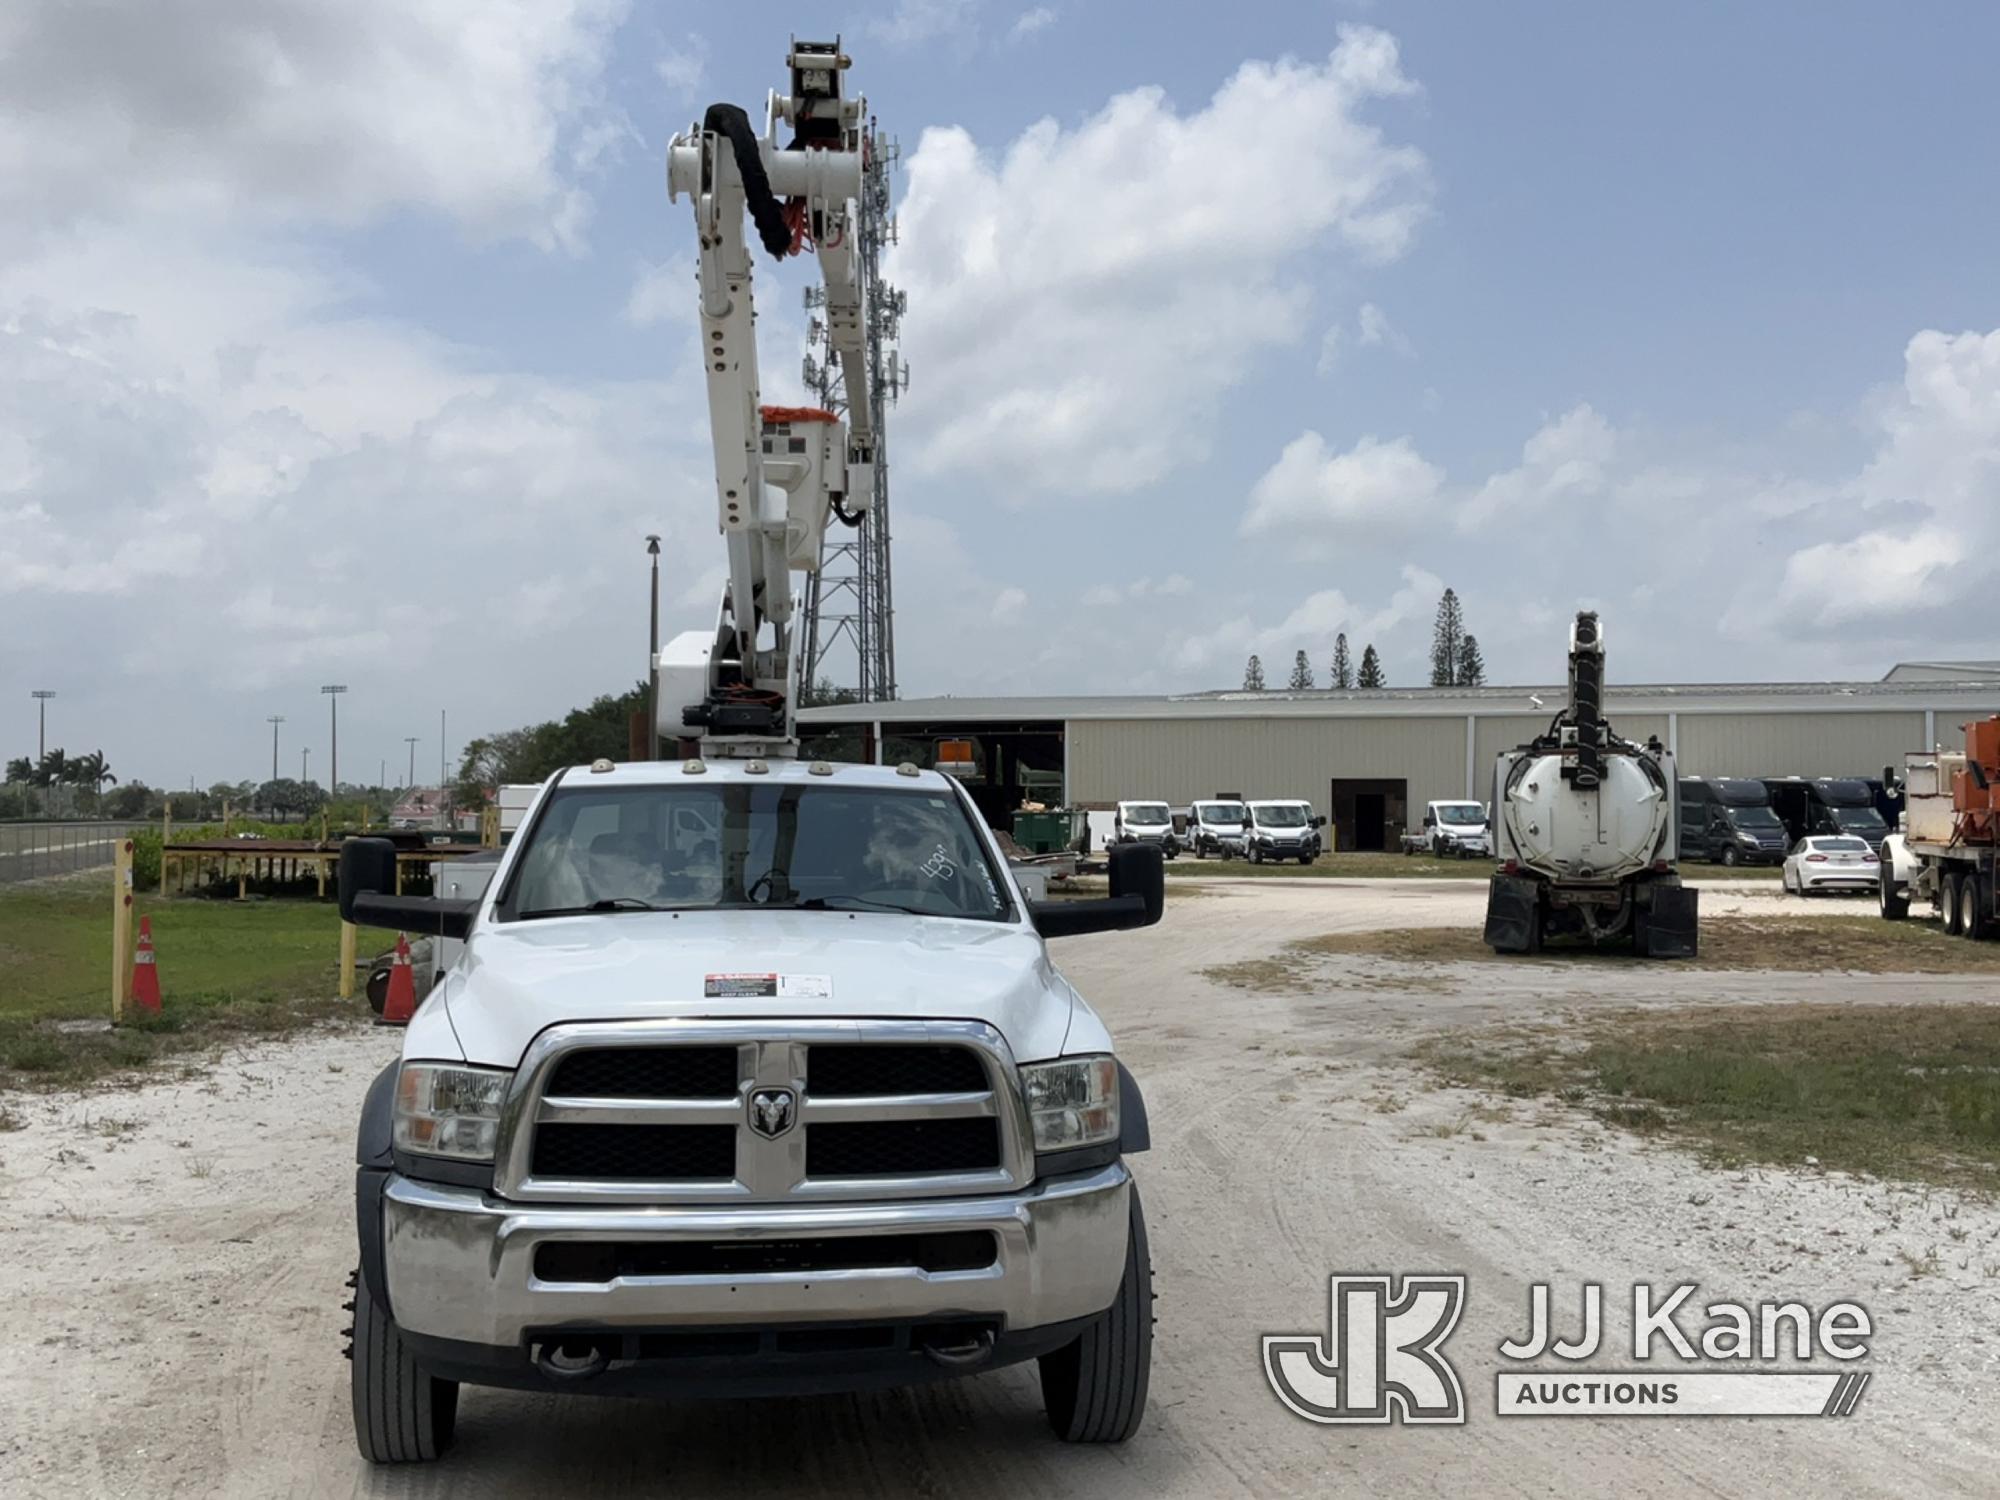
x,y
682,1111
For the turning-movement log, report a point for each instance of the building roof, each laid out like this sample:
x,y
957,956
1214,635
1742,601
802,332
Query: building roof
x,y
1973,691
1944,671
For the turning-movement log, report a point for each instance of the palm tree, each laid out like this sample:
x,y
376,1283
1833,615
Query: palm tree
x,y
52,771
20,769
91,771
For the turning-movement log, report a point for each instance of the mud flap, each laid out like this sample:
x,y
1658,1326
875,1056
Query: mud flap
x,y
1513,915
1669,928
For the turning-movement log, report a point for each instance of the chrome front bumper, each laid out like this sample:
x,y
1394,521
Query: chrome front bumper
x,y
460,1264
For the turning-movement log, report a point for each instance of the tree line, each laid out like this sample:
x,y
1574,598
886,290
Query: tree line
x,y
1455,659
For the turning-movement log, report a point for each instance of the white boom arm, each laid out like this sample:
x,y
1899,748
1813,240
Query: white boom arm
x,y
779,473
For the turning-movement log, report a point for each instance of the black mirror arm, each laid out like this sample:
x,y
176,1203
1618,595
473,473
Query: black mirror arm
x,y
421,914
1055,919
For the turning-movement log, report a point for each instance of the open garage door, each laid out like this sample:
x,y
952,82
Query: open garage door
x,y
1369,812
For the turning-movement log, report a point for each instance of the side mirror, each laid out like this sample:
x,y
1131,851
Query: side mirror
x,y
1319,822
368,874
1138,897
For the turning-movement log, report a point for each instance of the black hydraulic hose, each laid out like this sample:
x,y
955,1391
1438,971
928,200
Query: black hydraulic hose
x,y
765,210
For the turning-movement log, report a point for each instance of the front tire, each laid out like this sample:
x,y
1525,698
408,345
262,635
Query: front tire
x,y
1094,1389
1729,857
402,1415
1893,899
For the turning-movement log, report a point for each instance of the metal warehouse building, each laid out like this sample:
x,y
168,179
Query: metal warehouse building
x,y
1371,760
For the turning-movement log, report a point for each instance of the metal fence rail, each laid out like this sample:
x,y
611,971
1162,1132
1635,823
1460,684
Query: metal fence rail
x,y
28,851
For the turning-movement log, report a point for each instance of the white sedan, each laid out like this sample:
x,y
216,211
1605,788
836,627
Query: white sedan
x,y
1829,863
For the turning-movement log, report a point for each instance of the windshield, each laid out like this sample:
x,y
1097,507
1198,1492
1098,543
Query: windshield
x,y
1840,846
1754,817
731,845
1278,815
1147,813
1461,812
1859,820
1219,812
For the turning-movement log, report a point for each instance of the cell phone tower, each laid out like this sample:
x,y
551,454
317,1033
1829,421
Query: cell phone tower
x,y
850,604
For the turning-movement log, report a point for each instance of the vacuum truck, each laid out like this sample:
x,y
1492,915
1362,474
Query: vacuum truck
x,y
1584,827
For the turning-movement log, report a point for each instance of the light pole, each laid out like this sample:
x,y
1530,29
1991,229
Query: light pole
x,y
653,657
411,741
305,757
333,690
274,721
42,696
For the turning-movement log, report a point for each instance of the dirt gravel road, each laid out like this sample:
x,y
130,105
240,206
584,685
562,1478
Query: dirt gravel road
x,y
175,1256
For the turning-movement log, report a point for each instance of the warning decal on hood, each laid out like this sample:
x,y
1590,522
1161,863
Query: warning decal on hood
x,y
768,987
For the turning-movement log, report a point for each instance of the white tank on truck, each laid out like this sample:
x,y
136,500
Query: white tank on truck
x,y
1584,825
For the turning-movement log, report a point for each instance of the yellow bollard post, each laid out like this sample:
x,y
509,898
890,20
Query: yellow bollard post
x,y
347,936
121,930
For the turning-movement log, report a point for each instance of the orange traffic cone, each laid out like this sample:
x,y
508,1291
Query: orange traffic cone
x,y
146,970
400,1003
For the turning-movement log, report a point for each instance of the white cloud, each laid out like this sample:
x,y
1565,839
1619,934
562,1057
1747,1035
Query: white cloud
x,y
1928,577
1393,627
1374,486
266,110
683,69
1376,331
1081,301
1031,21
1329,349
914,22
1009,604
663,293
1103,595
1570,456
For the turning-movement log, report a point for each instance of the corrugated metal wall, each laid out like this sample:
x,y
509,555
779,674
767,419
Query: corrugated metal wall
x,y
1810,744
1183,759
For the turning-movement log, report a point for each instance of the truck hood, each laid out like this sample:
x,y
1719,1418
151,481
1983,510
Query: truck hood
x,y
517,978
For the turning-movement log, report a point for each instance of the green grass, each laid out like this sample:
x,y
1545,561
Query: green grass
x,y
1805,945
226,969
1890,1091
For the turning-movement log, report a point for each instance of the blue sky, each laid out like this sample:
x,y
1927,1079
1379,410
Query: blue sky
x,y
1230,327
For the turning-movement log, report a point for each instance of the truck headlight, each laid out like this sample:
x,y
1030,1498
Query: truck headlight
x,y
1072,1102
447,1109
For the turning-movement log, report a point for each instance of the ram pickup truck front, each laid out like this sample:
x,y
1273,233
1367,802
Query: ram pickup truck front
x,y
798,1106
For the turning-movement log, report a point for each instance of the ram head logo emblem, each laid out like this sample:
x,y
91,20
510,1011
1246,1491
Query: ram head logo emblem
x,y
772,1112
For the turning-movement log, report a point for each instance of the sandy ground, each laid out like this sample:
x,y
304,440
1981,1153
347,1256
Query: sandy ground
x,y
175,1256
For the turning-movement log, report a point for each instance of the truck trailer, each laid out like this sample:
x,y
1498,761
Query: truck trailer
x,y
1943,853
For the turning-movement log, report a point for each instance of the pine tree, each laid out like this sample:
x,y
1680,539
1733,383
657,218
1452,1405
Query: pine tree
x,y
1302,673
1471,665
1342,675
1253,676
1371,669
1447,639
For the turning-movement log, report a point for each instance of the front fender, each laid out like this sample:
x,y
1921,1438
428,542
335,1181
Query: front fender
x,y
374,1156
1900,862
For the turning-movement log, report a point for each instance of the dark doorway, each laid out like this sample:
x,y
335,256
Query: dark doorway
x,y
1369,809
1368,812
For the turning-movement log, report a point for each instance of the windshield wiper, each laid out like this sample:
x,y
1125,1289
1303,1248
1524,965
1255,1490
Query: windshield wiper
x,y
836,903
604,903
